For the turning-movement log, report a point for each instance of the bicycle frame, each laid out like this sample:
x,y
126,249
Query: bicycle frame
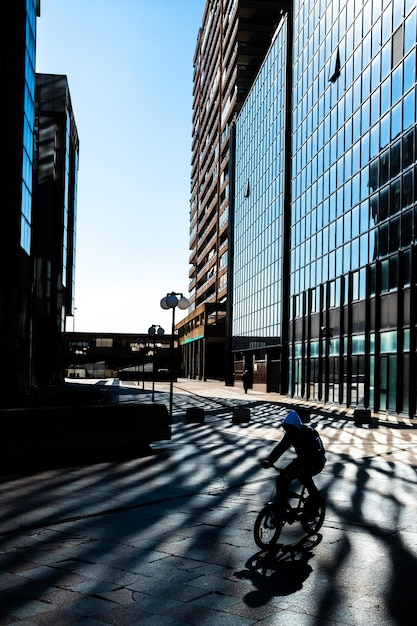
x,y
276,513
293,511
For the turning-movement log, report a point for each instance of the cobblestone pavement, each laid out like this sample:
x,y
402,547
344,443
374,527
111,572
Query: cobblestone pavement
x,y
167,539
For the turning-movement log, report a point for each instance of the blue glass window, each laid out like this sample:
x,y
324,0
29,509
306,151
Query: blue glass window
x,y
396,120
386,56
410,32
387,23
375,106
397,84
375,72
386,96
363,257
409,71
365,151
374,143
385,129
357,125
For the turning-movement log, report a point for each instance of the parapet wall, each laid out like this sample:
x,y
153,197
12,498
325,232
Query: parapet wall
x,y
46,436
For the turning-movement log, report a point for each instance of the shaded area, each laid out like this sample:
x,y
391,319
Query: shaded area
x,y
67,394
279,572
171,534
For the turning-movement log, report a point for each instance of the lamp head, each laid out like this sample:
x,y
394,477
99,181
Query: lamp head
x,y
171,301
183,303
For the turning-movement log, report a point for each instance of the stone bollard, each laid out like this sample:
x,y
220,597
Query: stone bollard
x,y
241,415
194,415
362,416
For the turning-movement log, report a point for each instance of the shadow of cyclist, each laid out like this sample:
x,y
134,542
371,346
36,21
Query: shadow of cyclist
x,y
278,572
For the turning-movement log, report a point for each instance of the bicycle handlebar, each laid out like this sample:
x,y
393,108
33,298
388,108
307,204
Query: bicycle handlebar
x,y
280,470
283,475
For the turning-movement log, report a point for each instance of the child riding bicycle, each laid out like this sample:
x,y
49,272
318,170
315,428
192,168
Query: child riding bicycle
x,y
309,448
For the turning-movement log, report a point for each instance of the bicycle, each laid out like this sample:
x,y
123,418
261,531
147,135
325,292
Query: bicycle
x,y
275,514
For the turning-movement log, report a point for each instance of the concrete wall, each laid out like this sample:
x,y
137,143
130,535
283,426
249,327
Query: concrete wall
x,y
46,436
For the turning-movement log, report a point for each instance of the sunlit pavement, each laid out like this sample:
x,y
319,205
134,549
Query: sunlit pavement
x,y
167,538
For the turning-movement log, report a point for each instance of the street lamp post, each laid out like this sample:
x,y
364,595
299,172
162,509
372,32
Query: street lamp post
x,y
172,302
154,330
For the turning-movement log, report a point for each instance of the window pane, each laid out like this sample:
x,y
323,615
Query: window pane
x,y
395,199
386,96
409,114
394,231
395,158
384,276
396,120
407,189
389,341
385,129
406,229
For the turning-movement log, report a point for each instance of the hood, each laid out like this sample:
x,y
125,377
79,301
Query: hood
x,y
293,419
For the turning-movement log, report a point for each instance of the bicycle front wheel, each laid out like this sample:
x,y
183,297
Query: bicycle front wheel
x,y
313,515
268,526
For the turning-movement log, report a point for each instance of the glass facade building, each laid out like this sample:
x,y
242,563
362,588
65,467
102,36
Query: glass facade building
x,y
353,217
260,206
353,224
17,71
54,223
38,222
28,124
231,46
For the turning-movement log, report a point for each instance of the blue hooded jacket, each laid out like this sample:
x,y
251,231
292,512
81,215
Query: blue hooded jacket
x,y
305,440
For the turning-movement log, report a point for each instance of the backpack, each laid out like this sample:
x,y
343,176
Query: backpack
x,y
312,448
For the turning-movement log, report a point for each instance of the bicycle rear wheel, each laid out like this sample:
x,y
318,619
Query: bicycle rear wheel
x,y
268,525
313,515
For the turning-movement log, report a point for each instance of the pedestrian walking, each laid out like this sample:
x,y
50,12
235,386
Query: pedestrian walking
x,y
246,380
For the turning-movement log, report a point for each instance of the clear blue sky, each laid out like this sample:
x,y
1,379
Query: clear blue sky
x,y
130,67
